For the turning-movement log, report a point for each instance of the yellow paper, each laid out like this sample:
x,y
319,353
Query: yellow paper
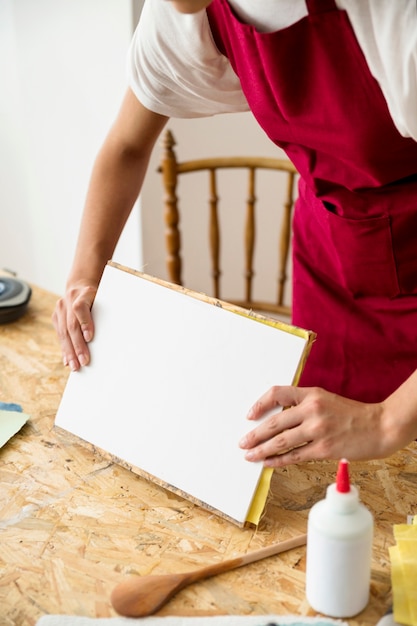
x,y
404,573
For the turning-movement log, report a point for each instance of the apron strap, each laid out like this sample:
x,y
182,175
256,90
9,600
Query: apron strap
x,y
320,6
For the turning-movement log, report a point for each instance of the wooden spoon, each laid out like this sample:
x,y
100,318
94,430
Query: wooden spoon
x,y
139,596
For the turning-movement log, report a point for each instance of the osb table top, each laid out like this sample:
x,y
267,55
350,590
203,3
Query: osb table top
x,y
73,524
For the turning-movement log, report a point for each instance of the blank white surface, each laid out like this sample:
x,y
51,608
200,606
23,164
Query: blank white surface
x,y
170,382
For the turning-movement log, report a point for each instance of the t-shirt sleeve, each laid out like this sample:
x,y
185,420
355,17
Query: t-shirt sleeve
x,y
387,32
175,69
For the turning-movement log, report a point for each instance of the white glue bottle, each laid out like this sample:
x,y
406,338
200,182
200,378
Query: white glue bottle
x,y
339,550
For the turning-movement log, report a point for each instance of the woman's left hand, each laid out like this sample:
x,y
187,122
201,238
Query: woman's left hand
x,y
320,425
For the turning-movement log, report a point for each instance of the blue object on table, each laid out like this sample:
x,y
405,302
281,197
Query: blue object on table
x,y
10,406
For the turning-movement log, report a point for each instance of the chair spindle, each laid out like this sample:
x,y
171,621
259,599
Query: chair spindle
x,y
214,233
250,234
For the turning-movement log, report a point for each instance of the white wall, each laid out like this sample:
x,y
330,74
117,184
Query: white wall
x,y
62,76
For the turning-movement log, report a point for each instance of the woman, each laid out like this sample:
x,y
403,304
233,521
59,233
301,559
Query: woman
x,y
333,83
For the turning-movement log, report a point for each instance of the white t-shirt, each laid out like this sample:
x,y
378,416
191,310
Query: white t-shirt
x,y
175,68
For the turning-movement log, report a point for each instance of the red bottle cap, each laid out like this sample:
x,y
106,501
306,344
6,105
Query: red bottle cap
x,y
342,477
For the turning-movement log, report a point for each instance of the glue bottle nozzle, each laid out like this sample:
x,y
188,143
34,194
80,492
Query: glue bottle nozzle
x,y
342,477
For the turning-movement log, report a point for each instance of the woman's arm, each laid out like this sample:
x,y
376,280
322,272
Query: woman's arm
x,y
116,180
323,425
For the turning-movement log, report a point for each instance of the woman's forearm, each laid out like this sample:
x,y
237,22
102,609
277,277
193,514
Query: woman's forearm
x,y
400,411
115,183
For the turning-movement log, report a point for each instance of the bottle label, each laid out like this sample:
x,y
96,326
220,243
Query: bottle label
x,y
338,573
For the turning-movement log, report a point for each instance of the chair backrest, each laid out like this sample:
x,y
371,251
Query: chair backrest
x,y
171,169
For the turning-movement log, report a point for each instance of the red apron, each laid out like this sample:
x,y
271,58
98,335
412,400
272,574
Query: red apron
x,y
355,223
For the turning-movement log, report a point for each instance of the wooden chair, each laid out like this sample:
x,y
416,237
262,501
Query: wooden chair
x,y
171,169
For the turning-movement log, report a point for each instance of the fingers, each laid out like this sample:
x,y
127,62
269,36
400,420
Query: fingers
x,y
276,423
280,432
74,350
75,328
276,398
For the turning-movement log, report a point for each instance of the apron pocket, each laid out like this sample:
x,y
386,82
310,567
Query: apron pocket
x,y
364,251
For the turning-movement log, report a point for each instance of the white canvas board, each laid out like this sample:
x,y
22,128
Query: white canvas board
x,y
169,385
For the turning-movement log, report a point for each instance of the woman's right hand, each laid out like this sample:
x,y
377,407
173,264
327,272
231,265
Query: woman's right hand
x,y
74,324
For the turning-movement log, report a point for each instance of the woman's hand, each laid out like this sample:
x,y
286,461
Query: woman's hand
x,y
321,425
74,324
115,183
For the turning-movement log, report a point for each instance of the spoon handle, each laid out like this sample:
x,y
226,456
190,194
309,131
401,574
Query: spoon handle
x,y
250,557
